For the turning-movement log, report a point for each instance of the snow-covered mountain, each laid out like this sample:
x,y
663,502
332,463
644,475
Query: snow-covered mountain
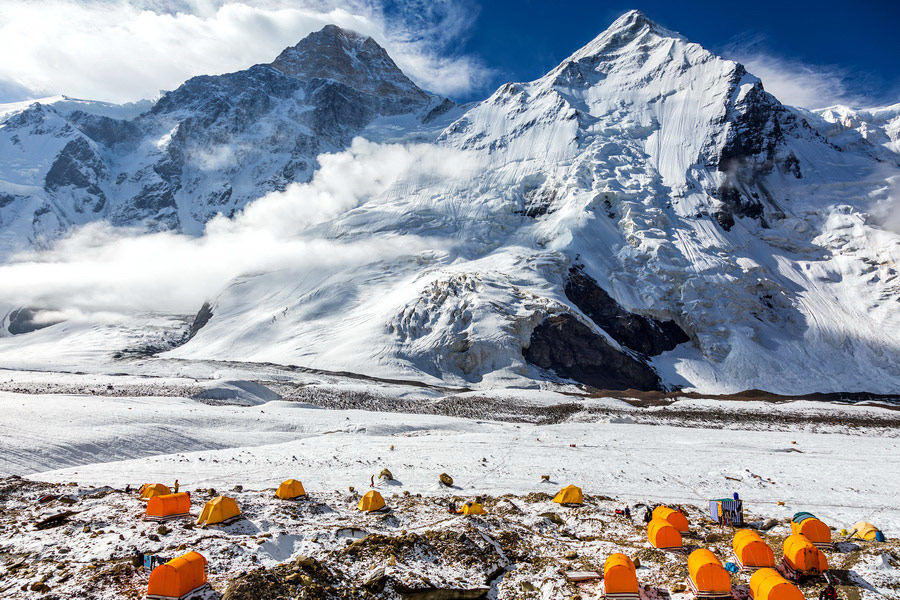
x,y
645,215
208,147
847,126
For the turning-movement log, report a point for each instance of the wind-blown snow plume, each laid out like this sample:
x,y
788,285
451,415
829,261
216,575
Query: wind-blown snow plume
x,y
103,268
124,50
795,82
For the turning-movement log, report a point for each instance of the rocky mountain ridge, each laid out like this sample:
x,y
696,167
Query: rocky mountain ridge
x,y
645,215
209,147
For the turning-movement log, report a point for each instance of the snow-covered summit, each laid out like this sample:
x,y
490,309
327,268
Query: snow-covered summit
x,y
644,215
633,26
846,126
354,60
208,147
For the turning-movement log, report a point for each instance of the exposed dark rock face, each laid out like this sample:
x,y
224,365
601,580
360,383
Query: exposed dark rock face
x,y
754,145
203,316
218,142
358,62
23,320
105,130
572,350
79,167
642,334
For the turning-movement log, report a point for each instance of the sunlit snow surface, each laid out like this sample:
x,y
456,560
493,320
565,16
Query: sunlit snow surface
x,y
607,162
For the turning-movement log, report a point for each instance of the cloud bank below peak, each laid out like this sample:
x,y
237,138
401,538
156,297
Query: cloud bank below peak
x,y
125,50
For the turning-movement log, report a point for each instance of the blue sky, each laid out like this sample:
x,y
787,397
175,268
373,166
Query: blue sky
x,y
810,54
858,42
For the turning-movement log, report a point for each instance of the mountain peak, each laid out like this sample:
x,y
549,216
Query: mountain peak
x,y
350,58
633,26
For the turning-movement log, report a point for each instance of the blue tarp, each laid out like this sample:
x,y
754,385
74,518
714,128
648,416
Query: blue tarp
x,y
802,516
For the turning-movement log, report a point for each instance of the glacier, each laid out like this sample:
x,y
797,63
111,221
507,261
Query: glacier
x,y
644,216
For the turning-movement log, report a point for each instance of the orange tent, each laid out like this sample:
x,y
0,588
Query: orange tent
x,y
751,550
815,530
371,501
707,573
619,575
801,555
674,517
178,577
220,508
662,535
768,584
290,489
570,494
168,506
148,490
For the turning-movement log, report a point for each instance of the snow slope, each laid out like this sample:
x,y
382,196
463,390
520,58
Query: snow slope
x,y
112,441
717,214
645,215
209,147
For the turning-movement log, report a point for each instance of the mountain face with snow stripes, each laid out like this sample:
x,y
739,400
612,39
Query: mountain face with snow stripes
x,y
644,216
208,147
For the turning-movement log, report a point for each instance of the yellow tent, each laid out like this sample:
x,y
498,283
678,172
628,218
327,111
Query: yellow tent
x,y
220,508
569,495
371,501
864,531
290,489
148,490
472,508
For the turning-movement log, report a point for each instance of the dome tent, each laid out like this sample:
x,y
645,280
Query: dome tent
x,y
662,534
674,517
865,531
370,502
472,508
707,575
802,556
768,584
178,577
218,510
815,530
148,490
168,506
751,551
290,489
619,576
569,495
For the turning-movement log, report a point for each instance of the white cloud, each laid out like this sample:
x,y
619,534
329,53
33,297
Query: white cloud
x,y
101,268
124,50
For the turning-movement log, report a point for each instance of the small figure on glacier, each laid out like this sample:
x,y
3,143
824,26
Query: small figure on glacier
x,y
828,593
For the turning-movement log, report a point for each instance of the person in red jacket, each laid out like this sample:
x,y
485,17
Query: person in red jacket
x,y
828,593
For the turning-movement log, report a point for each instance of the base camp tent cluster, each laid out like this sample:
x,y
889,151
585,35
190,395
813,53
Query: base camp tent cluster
x,y
708,578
